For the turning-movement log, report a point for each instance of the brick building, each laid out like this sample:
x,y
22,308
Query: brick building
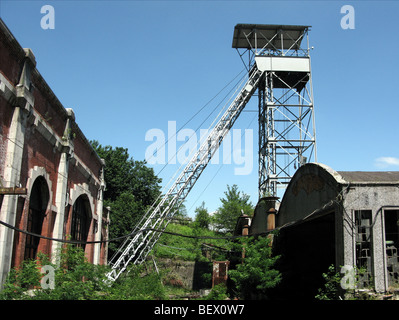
x,y
43,153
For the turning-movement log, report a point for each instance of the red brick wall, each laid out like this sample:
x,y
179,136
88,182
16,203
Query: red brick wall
x,y
10,59
39,152
48,106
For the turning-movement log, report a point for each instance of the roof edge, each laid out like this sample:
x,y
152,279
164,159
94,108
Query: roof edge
x,y
332,172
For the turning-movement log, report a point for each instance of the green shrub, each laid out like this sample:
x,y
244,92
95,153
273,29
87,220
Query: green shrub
x,y
255,275
74,279
77,279
331,288
20,280
218,292
137,285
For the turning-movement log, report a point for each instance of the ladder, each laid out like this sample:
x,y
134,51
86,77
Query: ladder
x,y
135,248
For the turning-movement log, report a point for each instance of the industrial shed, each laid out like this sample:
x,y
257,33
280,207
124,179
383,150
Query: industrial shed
x,y
335,218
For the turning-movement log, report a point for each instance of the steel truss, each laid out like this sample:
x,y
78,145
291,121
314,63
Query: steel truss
x,y
287,137
147,232
286,129
287,133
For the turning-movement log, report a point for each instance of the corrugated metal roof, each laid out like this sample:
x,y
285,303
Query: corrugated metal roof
x,y
370,176
265,32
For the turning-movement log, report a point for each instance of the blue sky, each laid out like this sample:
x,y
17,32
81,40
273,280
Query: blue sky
x,y
127,67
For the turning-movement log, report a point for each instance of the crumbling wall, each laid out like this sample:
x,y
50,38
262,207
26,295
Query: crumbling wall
x,y
187,274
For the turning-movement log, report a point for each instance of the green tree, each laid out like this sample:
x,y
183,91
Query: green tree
x,y
124,174
234,203
202,218
126,212
131,187
255,275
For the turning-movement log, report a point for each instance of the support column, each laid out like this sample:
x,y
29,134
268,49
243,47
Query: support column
x,y
61,196
12,179
15,150
379,259
100,197
262,170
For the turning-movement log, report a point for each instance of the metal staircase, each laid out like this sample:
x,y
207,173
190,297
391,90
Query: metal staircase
x,y
146,233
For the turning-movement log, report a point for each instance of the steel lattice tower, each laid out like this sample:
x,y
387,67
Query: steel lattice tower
x,y
287,133
279,70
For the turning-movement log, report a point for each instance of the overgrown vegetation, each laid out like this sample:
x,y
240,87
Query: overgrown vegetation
x,y
340,286
254,276
331,289
218,292
77,279
234,204
191,248
131,188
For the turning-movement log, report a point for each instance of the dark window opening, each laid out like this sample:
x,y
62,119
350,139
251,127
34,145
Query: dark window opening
x,y
391,220
306,251
37,210
363,222
80,221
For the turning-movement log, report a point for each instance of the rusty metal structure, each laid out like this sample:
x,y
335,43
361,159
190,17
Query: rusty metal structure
x,y
219,272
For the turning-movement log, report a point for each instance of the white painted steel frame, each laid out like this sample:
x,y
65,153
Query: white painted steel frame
x,y
275,109
136,248
287,133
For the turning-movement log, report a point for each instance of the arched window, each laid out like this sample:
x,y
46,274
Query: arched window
x,y
38,202
80,220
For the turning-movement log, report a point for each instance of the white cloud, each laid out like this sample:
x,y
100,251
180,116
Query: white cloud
x,y
384,162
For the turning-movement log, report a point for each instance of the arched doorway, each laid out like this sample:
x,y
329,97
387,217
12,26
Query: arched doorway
x,y
38,202
81,218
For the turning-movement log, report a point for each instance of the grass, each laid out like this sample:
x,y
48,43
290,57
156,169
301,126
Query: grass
x,y
190,249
